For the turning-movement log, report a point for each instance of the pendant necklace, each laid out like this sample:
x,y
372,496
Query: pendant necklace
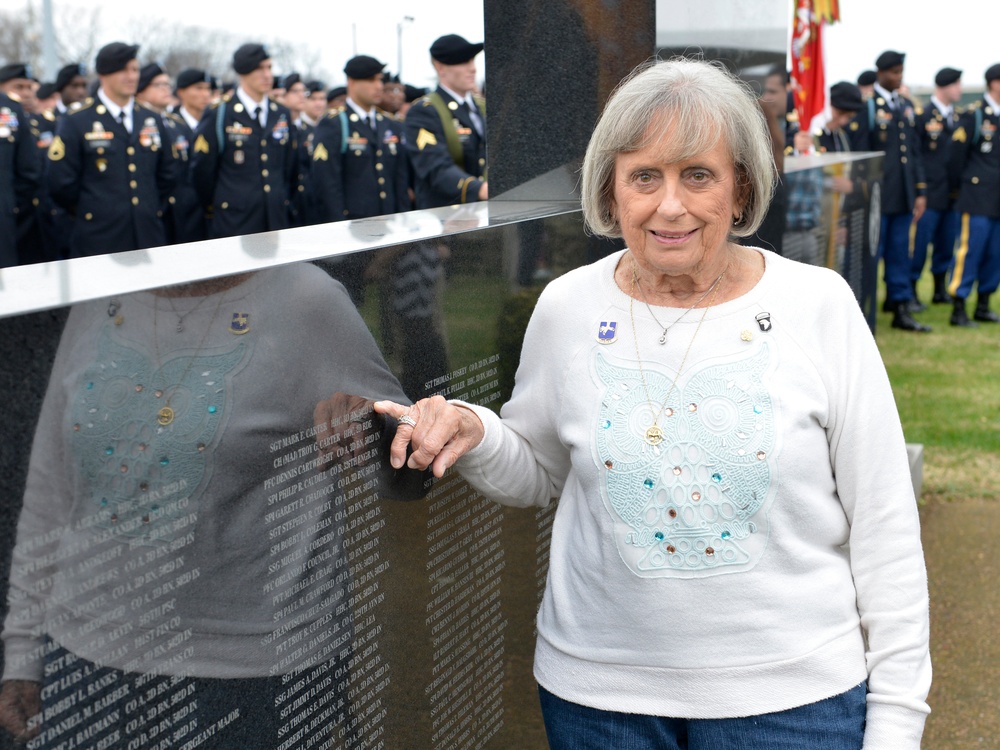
x,y
166,414
654,433
663,336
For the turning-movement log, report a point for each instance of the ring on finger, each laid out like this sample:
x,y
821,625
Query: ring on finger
x,y
407,419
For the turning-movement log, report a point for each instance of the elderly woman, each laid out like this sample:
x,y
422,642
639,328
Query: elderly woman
x,y
735,560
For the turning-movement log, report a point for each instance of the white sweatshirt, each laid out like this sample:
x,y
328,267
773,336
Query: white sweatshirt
x,y
741,566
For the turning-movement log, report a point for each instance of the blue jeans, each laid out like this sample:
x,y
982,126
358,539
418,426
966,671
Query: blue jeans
x,y
837,723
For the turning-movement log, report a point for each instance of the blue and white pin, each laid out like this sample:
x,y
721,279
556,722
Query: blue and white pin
x,y
607,332
240,323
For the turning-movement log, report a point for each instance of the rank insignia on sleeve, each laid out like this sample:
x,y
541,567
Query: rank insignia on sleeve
x,y
320,153
57,149
959,135
201,145
425,138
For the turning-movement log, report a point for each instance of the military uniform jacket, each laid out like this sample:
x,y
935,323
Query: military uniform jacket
x,y
934,130
19,175
185,214
357,173
114,182
438,180
877,127
244,173
974,161
304,133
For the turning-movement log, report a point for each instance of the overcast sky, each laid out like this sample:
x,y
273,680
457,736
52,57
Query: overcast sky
x,y
961,34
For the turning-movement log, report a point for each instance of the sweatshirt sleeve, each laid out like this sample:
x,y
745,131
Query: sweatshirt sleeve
x,y
869,459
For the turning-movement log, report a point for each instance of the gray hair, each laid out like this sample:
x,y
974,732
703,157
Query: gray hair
x,y
704,104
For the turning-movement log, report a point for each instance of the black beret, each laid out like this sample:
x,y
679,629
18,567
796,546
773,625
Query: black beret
x,y
335,92
993,73
14,70
846,96
889,59
289,80
67,73
413,93
147,74
46,90
314,87
451,49
867,78
362,67
249,57
114,57
947,76
191,76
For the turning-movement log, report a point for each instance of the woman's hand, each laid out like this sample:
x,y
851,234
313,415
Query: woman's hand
x,y
440,434
20,706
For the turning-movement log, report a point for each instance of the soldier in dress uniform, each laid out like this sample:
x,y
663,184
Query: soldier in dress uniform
x,y
186,217
888,123
110,164
71,83
17,127
244,161
46,97
446,130
974,169
938,224
19,175
845,102
358,165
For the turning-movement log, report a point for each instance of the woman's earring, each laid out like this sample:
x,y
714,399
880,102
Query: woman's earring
x,y
737,220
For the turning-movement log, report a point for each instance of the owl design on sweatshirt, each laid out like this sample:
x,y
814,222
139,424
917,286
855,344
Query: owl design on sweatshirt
x,y
693,503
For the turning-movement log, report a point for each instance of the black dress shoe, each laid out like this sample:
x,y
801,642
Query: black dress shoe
x,y
961,320
903,320
986,316
941,298
889,306
916,306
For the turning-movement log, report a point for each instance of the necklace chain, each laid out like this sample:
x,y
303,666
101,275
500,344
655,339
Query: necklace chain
x,y
663,336
654,433
165,415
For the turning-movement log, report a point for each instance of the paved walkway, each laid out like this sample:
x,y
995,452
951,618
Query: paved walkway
x,y
963,566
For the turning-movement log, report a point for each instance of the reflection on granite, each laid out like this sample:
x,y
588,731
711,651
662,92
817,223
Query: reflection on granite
x,y
558,62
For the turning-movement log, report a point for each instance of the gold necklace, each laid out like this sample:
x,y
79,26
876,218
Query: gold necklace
x,y
654,433
165,415
663,336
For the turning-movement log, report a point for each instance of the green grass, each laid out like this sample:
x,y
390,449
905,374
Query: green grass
x,y
947,389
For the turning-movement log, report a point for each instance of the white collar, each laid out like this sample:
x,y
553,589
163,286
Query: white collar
x,y
113,108
247,101
989,100
467,99
945,108
366,115
190,119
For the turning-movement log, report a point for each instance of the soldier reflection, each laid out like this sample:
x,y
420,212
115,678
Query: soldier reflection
x,y
182,573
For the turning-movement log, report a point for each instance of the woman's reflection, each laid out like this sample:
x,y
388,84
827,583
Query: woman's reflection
x,y
180,574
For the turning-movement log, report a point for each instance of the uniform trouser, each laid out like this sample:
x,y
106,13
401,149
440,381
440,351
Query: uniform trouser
x,y
896,256
936,228
977,256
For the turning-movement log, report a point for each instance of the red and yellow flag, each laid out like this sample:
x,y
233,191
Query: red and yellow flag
x,y
808,80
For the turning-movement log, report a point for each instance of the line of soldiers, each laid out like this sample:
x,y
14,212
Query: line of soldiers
x,y
940,185
122,170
